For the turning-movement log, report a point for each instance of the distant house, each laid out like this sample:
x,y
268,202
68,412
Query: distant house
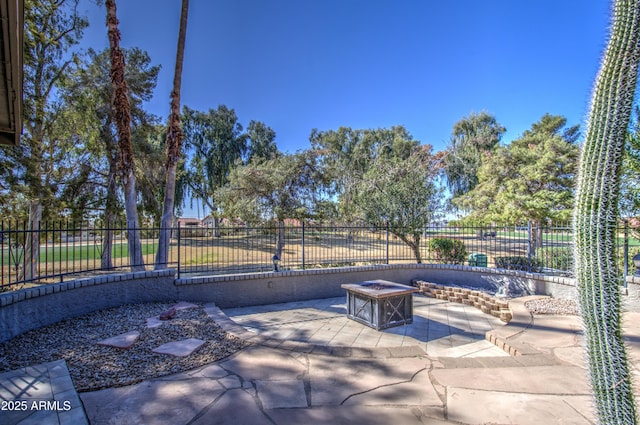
x,y
235,222
292,222
187,222
189,227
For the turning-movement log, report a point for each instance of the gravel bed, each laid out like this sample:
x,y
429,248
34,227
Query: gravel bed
x,y
552,306
94,367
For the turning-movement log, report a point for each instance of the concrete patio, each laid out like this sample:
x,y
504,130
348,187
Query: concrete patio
x,y
310,364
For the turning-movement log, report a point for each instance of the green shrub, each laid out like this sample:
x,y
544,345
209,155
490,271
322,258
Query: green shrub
x,y
519,263
557,258
448,251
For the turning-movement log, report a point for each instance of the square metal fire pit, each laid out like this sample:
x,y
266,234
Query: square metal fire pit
x,y
380,304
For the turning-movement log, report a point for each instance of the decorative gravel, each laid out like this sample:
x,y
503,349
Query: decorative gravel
x,y
94,367
552,306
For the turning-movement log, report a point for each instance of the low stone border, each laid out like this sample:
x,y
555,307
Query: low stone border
x,y
497,307
505,337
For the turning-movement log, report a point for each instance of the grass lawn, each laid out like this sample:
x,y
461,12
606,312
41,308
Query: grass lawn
x,y
63,253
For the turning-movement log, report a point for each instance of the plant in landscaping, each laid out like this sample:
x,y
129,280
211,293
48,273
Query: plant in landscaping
x,y
595,215
517,262
448,251
556,258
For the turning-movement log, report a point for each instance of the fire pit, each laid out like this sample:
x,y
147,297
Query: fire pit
x,y
380,304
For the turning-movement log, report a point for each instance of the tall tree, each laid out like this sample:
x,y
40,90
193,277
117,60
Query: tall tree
x,y
88,92
34,170
346,155
285,186
120,104
262,142
532,178
214,143
401,194
174,146
471,138
595,218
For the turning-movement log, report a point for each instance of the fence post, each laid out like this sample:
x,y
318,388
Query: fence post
x,y
626,253
387,228
178,247
529,229
303,245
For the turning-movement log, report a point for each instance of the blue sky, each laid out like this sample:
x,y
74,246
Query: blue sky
x,y
302,64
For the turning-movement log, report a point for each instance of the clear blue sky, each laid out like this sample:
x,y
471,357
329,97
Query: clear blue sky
x,y
303,64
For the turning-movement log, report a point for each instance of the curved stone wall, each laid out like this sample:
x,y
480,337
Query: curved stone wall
x,y
31,308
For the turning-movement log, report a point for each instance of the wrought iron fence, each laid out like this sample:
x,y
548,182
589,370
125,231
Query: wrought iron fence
x,y
52,252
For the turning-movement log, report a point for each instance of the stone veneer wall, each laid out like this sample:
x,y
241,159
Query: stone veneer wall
x,y
31,308
488,304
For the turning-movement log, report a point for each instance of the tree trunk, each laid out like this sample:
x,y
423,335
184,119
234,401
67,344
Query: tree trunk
x,y
216,227
534,235
595,215
109,216
120,104
280,239
31,256
416,252
174,142
106,260
413,244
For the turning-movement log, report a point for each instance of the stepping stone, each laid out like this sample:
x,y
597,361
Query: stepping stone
x,y
154,322
121,341
182,305
179,348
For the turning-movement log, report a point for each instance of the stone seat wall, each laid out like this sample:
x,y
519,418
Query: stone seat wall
x,y
497,307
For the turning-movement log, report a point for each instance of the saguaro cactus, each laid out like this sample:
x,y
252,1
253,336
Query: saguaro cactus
x,y
595,217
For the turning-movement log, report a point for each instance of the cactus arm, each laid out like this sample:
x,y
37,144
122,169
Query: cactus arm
x,y
595,217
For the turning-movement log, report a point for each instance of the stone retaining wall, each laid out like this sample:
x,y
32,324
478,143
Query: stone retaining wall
x,y
484,302
31,308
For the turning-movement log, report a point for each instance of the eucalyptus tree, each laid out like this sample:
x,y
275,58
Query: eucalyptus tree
x,y
595,218
346,155
122,112
471,138
262,141
33,170
174,145
87,92
214,143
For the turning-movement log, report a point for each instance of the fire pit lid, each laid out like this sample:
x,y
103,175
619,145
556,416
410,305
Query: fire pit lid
x,y
379,288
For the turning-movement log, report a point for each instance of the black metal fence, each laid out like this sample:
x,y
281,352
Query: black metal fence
x,y
52,252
